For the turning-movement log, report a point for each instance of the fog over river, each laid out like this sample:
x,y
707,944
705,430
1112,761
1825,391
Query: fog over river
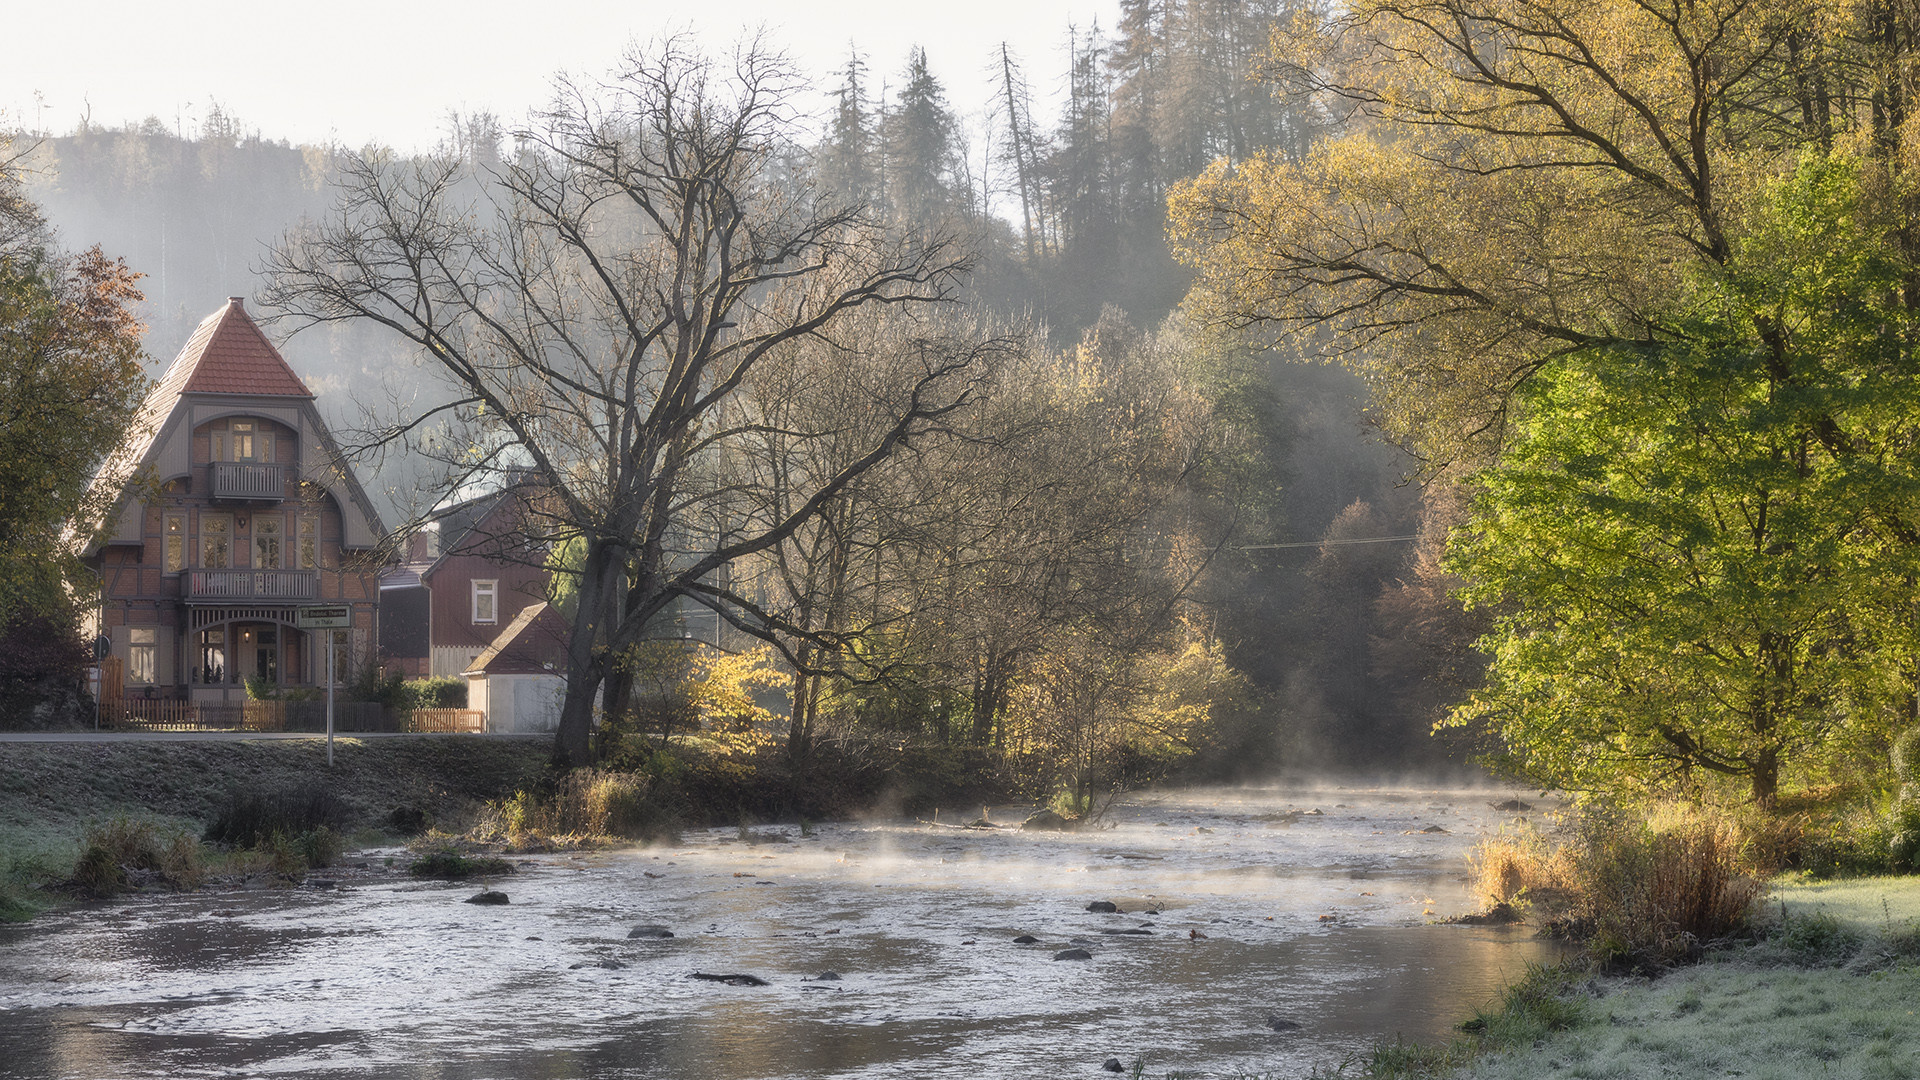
x,y
1255,911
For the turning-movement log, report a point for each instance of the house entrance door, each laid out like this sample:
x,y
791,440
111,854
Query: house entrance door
x,y
266,657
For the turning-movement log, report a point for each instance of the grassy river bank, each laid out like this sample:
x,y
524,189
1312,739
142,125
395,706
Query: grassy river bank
x,y
1829,988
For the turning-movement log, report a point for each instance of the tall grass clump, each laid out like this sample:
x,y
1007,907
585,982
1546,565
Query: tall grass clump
x,y
584,805
1639,890
297,828
125,854
21,895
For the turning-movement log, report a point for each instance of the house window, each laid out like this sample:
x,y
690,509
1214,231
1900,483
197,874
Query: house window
x,y
266,543
309,535
174,536
486,601
142,653
216,541
242,435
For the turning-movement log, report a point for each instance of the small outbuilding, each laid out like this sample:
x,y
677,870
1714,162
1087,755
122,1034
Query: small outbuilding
x,y
519,680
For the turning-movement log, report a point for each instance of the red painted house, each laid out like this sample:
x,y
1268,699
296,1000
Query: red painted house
x,y
236,513
467,572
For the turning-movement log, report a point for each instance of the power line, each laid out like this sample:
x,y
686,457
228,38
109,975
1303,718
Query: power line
x,y
1331,543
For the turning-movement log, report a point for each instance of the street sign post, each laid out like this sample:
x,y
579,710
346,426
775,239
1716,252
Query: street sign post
x,y
328,619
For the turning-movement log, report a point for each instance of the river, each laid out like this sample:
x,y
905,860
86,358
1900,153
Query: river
x,y
1256,911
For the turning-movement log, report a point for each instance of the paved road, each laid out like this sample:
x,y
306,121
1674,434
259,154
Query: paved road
x,y
234,736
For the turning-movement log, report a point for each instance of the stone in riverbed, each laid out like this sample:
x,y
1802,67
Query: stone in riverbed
x,y
1113,1065
1129,931
1026,939
730,980
491,896
1106,907
1073,954
1281,1023
649,931
827,976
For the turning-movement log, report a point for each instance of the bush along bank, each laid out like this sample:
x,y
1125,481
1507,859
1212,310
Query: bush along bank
x,y
650,791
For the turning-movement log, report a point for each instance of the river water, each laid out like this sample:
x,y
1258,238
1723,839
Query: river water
x,y
1254,914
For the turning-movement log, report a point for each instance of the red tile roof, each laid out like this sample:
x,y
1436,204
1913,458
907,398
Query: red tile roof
x,y
228,354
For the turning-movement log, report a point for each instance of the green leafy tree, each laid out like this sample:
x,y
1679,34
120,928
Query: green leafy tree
x,y
1703,550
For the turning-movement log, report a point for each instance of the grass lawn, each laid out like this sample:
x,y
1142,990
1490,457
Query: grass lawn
x,y
1832,992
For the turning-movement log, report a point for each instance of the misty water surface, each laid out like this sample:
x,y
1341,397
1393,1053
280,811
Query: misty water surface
x,y
1320,921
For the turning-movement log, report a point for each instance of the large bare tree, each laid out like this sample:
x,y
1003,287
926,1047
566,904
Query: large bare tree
x,y
594,305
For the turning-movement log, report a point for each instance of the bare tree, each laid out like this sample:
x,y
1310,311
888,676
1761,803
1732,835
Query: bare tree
x,y
595,311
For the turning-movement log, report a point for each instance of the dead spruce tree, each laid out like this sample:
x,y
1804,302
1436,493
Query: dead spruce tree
x,y
593,306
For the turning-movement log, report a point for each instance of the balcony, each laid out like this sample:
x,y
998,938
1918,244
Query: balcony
x,y
222,586
248,482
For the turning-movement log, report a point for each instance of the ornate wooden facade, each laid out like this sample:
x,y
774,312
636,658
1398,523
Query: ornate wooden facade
x,y
236,511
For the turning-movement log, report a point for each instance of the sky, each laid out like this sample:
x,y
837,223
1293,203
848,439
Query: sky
x,y
356,72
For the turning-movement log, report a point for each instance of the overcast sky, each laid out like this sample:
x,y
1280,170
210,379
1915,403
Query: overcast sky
x,y
359,71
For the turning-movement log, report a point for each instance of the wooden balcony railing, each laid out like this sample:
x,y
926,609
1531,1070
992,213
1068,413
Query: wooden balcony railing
x,y
253,585
244,480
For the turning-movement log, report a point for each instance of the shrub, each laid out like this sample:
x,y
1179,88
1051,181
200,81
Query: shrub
x,y
1641,890
586,804
1655,889
453,866
125,854
442,693
250,818
42,664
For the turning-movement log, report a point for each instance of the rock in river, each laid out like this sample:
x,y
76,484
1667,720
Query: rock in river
x,y
730,980
1026,939
1104,906
1281,1023
491,896
1073,954
649,931
1113,1065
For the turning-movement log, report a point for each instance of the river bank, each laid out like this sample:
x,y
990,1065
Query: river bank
x,y
1824,984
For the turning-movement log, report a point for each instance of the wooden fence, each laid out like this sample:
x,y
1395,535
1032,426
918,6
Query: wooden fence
x,y
142,714
446,720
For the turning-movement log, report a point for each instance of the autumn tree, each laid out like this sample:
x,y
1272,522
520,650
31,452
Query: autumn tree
x,y
70,385
1641,263
594,316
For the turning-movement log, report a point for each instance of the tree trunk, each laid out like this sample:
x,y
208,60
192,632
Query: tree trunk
x,y
593,619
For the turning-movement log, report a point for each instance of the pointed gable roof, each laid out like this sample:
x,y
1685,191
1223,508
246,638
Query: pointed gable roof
x,y
228,354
